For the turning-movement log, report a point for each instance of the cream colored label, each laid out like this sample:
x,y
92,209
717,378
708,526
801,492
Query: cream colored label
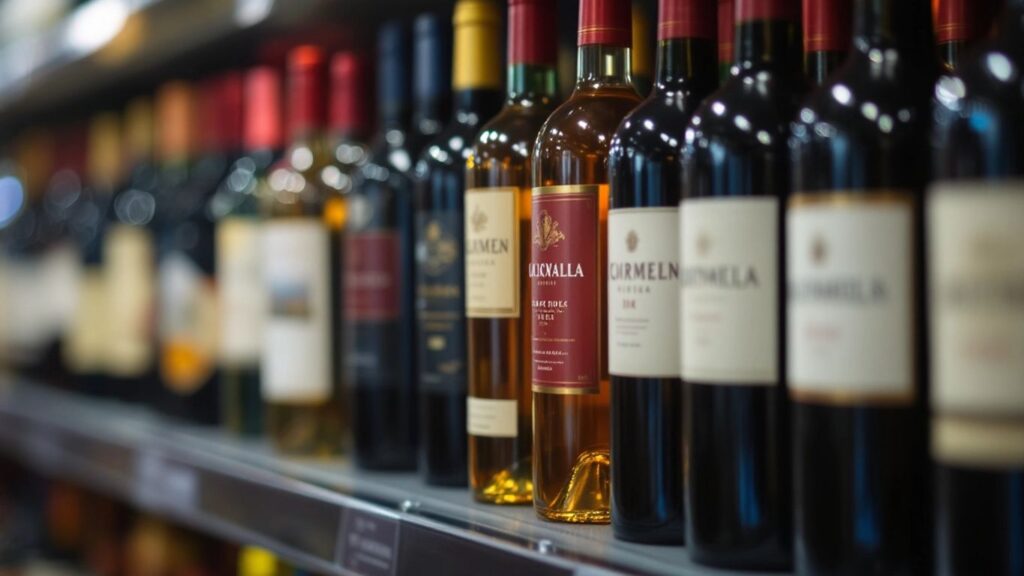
x,y
129,257
188,324
241,290
87,338
730,290
492,252
851,315
643,292
492,418
296,353
976,263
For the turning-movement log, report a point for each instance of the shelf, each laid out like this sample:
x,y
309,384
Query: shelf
x,y
103,43
325,516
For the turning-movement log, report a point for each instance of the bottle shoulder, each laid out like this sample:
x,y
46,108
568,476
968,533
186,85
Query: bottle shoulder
x,y
751,110
586,122
512,133
451,148
654,127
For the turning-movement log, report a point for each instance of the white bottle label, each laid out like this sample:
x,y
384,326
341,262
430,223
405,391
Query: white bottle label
x,y
730,290
851,316
296,365
130,257
241,296
976,263
492,418
87,338
492,252
643,292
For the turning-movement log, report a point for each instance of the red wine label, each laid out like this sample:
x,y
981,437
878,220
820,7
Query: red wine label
x,y
565,289
296,359
851,328
605,22
730,309
747,10
976,268
643,292
686,19
826,25
371,276
492,252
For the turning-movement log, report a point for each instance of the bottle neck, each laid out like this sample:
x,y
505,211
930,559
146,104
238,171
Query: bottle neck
x,y
773,43
598,64
475,104
429,114
680,61
530,82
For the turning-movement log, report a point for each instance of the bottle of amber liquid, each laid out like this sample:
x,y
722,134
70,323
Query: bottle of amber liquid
x,y
567,273
497,246
305,414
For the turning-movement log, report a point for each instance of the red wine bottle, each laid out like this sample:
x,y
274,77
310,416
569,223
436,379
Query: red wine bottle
x,y
855,301
643,293
735,172
975,210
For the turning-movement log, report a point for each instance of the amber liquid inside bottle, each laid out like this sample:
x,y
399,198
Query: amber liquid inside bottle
x,y
499,345
572,430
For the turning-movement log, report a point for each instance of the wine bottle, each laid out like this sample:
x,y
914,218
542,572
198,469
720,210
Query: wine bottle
x,y
958,25
431,84
975,207
129,253
236,208
855,307
194,162
305,402
726,35
643,268
735,172
380,344
497,228
826,37
84,353
440,272
568,279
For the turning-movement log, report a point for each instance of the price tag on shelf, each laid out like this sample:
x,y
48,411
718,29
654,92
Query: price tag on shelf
x,y
369,543
163,484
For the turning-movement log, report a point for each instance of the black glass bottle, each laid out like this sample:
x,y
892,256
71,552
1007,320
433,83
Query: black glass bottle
x,y
855,305
381,345
643,221
977,202
431,87
440,174
826,37
735,172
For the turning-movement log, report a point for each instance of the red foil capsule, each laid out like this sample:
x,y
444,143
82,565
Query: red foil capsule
x,y
963,20
232,117
747,10
827,25
305,90
263,109
348,84
605,22
726,29
686,19
532,36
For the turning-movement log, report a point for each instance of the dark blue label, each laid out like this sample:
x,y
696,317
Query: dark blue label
x,y
440,306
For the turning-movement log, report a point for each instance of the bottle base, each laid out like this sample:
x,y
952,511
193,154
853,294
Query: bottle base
x,y
504,488
574,516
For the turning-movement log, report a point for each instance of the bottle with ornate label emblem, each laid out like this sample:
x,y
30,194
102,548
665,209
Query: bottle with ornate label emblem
x,y
571,470
643,276
304,396
735,172
975,210
236,206
497,232
826,37
855,306
440,272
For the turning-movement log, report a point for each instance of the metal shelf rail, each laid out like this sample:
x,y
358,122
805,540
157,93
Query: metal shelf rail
x,y
324,516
